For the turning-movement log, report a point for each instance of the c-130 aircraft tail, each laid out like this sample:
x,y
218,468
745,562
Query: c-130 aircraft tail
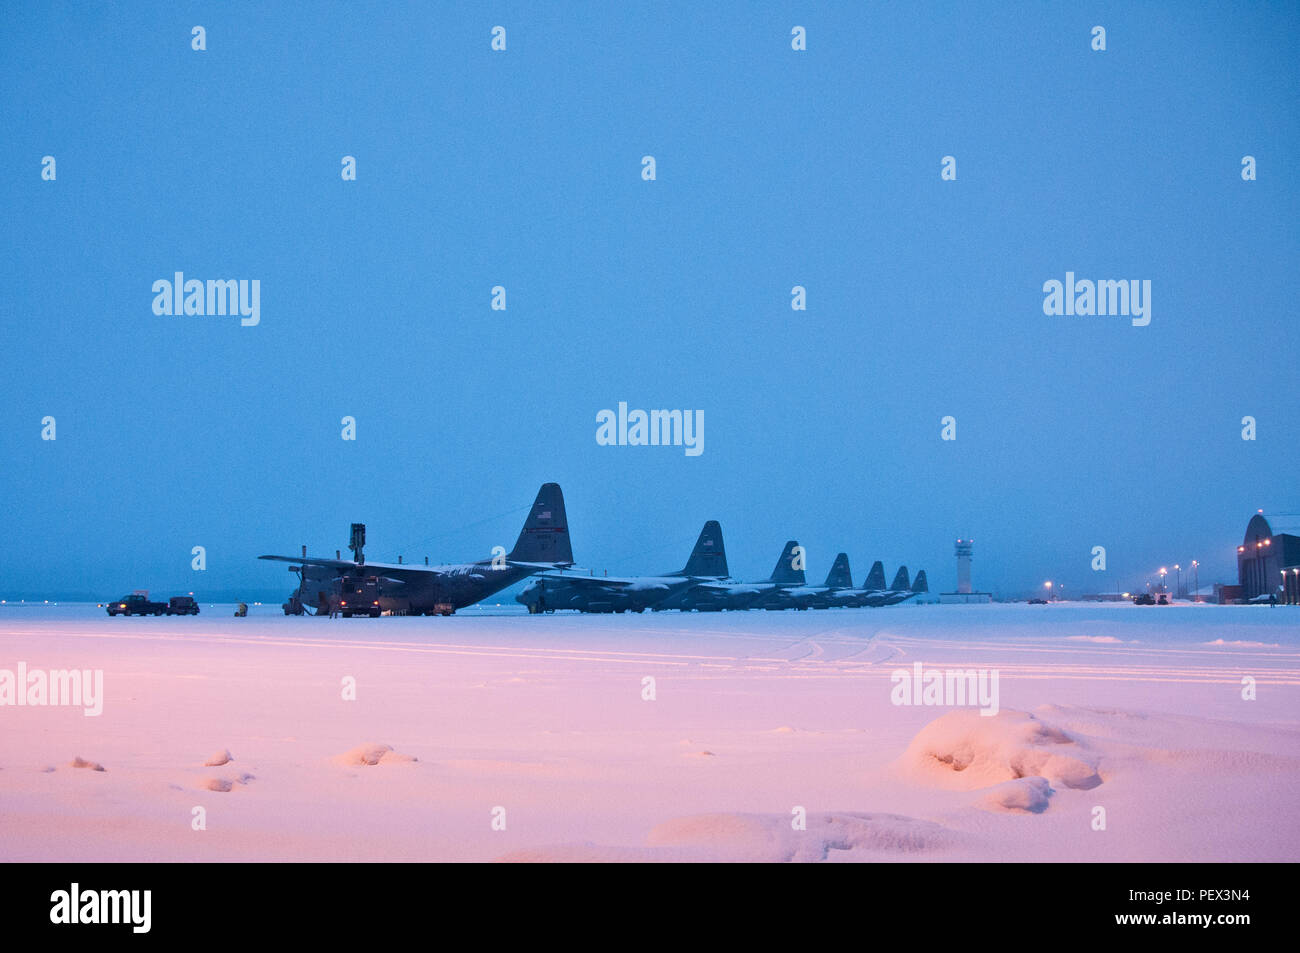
x,y
545,536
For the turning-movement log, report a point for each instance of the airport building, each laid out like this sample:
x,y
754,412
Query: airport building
x,y
1268,560
964,593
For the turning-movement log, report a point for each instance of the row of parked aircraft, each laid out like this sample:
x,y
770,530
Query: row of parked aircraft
x,y
356,587
704,584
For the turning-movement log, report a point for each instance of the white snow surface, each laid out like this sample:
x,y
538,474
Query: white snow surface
x,y
771,736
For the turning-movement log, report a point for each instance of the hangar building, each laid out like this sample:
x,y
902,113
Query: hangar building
x,y
1268,560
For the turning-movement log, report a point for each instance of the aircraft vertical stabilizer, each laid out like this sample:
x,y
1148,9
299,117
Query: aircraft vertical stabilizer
x,y
876,578
709,557
545,536
839,577
785,572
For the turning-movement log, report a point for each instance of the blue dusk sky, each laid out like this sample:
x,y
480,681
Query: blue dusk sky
x,y
775,168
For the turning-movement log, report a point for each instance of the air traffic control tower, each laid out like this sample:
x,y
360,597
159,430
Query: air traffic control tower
x,y
963,593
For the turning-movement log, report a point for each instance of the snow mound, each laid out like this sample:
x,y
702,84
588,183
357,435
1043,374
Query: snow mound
x,y
224,785
80,762
372,754
765,838
1246,645
217,759
772,837
1021,796
965,750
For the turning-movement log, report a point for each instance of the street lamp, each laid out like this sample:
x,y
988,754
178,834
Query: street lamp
x,y
1048,586
1196,581
1163,572
1178,585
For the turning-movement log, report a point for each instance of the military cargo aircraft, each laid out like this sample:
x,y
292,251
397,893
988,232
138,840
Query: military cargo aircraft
x,y
873,592
566,590
901,590
839,579
362,588
727,594
872,587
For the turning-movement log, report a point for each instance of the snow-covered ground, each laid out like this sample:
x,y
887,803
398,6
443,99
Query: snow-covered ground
x,y
542,723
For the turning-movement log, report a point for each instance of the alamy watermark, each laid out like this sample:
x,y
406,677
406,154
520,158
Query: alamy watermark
x,y
215,296
950,687
129,907
654,428
1102,297
53,687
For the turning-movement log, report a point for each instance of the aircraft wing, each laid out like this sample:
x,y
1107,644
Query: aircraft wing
x,y
392,574
592,582
314,561
804,591
740,588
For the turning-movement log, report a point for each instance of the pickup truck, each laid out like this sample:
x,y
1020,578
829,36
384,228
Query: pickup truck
x,y
136,604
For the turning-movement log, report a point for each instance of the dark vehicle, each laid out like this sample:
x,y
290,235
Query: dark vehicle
x,y
136,604
1038,602
182,605
1144,599
359,595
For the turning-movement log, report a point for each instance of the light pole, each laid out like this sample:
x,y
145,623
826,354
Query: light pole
x,y
1048,586
1178,585
1196,581
1163,572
